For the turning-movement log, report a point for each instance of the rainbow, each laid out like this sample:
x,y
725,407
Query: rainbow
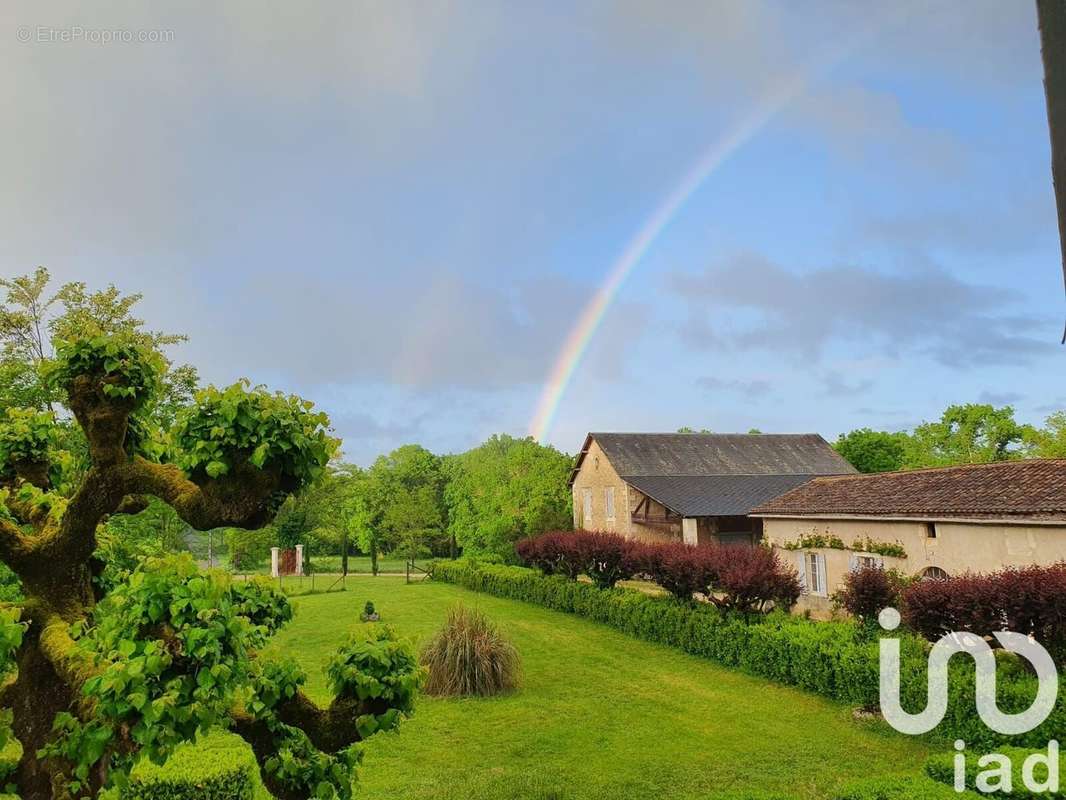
x,y
745,129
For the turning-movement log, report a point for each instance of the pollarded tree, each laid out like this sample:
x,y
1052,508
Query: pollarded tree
x,y
170,652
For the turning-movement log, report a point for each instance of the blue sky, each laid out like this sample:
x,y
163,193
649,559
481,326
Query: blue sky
x,y
398,210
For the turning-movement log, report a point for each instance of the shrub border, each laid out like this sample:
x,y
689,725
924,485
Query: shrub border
x,y
837,660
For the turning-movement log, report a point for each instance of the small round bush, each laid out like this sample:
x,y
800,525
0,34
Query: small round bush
x,y
470,657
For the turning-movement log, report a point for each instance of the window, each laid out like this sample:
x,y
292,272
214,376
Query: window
x,y
811,568
608,501
863,562
586,498
813,574
934,574
930,530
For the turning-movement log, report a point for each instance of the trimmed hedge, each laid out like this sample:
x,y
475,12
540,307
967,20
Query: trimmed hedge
x,y
941,767
218,768
833,659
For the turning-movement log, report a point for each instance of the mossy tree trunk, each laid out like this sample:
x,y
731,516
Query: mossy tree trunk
x,y
53,558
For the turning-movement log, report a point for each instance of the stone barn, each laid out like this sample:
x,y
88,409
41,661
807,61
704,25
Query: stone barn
x,y
693,487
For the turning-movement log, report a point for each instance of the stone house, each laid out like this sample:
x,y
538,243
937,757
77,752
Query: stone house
x,y
690,486
928,523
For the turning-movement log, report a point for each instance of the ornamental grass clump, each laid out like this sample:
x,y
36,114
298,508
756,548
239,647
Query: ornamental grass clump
x,y
470,657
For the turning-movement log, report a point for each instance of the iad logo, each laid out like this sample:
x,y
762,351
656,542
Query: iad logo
x,y
937,705
996,774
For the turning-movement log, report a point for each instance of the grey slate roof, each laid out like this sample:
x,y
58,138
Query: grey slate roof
x,y
721,454
716,474
715,495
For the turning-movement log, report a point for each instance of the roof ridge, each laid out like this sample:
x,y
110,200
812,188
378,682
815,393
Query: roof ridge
x,y
976,466
694,433
1015,488
735,475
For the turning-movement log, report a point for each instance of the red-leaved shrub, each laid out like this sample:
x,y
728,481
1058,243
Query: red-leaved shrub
x,y
679,568
604,557
1029,600
748,579
744,579
964,603
868,591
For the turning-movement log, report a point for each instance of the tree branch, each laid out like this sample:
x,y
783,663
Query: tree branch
x,y
71,663
243,498
103,419
330,730
14,544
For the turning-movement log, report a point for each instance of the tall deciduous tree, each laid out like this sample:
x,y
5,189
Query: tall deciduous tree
x,y
102,679
872,451
973,433
1050,441
504,490
33,319
405,500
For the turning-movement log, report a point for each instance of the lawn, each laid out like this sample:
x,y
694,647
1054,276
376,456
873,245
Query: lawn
x,y
599,715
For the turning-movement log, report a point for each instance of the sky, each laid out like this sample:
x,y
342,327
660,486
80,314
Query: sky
x,y
401,210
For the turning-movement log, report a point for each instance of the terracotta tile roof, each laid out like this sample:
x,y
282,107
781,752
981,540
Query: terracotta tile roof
x,y
1033,489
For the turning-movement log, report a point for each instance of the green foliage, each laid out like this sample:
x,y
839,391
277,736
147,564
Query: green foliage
x,y
941,768
125,369
504,490
373,665
173,648
872,451
833,659
271,431
404,500
218,767
25,435
292,529
1050,442
29,327
813,540
10,753
248,549
259,601
11,633
52,503
968,434
10,585
125,540
826,540
470,657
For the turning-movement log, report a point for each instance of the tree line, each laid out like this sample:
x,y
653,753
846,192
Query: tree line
x,y
413,503
971,433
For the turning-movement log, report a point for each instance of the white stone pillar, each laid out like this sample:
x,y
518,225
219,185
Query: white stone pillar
x,y
688,530
273,562
299,559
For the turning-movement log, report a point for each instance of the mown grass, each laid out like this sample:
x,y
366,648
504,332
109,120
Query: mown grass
x,y
597,715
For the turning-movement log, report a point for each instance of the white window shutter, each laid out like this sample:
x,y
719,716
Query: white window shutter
x,y
880,562
821,576
801,568
853,563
